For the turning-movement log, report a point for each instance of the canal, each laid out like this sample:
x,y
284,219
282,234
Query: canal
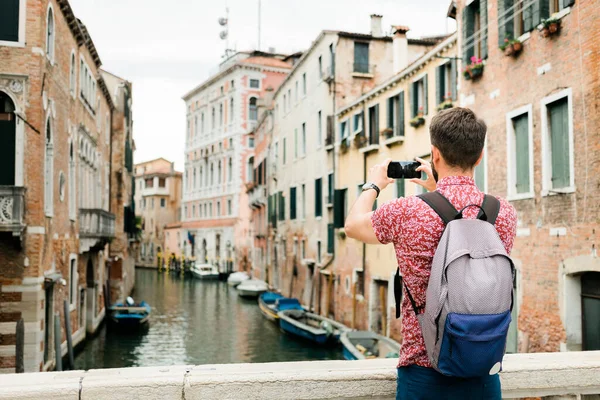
x,y
195,322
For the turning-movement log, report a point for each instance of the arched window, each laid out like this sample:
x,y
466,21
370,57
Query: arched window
x,y
194,179
72,80
72,213
231,110
195,126
219,179
230,170
212,175
7,140
213,118
201,174
50,35
48,171
252,109
202,123
250,170
221,114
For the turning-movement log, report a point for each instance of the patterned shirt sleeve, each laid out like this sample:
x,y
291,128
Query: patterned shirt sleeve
x,y
506,224
387,219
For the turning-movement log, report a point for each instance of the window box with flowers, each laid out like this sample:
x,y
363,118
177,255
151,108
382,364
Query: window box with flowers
x,y
473,70
447,103
388,133
418,120
360,140
345,145
550,26
511,47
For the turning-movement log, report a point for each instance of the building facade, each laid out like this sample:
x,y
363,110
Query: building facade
x,y
538,99
218,155
55,118
158,204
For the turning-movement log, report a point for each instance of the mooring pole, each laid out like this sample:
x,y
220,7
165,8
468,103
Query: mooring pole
x,y
57,337
69,337
20,347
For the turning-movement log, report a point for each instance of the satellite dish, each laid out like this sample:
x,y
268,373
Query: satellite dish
x,y
223,35
222,21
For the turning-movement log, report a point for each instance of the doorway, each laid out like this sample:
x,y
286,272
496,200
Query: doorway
x,y
48,323
590,310
7,140
91,294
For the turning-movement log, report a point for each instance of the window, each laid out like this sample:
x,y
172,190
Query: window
x,y
193,211
303,202
218,211
296,98
419,97
295,143
254,83
72,205
250,170
163,203
358,123
400,188
445,82
304,138
87,85
73,280
284,157
212,174
340,197
251,142
210,213
212,125
374,125
229,211
202,123
194,180
230,170
162,182
304,84
320,67
61,186
284,103
219,176
344,130
520,154
557,143
361,57
293,203
319,130
281,206
474,31
318,197
10,20
72,81
50,35
252,109
330,188
152,204
222,90
395,114
49,171
518,17
289,98
303,250
231,110
221,114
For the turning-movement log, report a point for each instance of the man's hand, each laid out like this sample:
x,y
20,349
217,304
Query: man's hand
x,y
429,184
378,175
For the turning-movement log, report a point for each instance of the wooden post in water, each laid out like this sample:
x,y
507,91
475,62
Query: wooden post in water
x,y
327,305
354,305
69,337
20,347
57,338
383,298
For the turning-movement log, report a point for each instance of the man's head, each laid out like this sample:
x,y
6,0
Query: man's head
x,y
457,137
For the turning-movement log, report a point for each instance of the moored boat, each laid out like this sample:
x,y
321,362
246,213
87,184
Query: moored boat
x,y
236,278
360,345
310,326
130,314
252,288
270,303
205,271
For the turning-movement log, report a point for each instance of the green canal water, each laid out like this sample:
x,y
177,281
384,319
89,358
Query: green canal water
x,y
195,322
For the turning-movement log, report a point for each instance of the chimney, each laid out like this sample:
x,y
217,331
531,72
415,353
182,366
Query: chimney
x,y
376,30
400,48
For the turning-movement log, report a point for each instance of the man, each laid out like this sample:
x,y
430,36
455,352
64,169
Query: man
x,y
457,139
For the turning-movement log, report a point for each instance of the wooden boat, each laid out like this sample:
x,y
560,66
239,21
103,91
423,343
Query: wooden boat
x,y
236,278
205,272
252,288
360,345
310,326
130,314
270,303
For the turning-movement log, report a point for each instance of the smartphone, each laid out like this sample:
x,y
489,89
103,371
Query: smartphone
x,y
403,170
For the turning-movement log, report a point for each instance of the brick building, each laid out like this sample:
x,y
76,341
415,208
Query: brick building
x,y
540,102
55,123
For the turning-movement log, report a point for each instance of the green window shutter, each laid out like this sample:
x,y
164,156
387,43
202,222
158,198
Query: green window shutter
x,y
468,28
293,203
505,22
544,9
9,21
414,100
559,139
480,173
361,57
484,28
453,77
364,123
281,206
318,197
339,208
375,139
401,114
400,188
439,85
521,128
528,15
425,96
330,238
390,112
330,188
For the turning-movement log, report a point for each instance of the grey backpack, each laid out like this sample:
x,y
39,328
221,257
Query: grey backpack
x,y
470,292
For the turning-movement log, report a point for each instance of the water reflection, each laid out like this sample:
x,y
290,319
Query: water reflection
x,y
196,322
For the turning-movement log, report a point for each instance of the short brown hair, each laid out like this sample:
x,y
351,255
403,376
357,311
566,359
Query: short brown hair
x,y
459,135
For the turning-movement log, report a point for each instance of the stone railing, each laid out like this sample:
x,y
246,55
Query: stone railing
x,y
563,375
96,223
12,209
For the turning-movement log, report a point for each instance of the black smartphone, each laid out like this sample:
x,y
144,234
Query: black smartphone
x,y
403,170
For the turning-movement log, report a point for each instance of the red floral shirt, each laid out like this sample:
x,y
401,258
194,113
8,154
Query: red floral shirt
x,y
415,230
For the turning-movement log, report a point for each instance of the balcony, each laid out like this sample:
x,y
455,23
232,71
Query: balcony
x,y
12,209
328,74
257,197
96,224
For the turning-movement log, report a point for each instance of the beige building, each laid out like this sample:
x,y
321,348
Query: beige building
x,y
158,203
389,121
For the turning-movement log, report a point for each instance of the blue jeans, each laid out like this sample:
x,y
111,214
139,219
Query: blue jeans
x,y
419,383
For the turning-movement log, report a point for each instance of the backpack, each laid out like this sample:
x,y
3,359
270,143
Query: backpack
x,y
469,295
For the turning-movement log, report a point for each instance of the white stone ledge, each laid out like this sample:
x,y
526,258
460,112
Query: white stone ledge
x,y
524,375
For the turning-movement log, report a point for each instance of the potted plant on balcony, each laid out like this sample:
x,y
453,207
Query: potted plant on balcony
x,y
418,120
550,26
473,70
344,145
511,47
388,133
447,103
360,140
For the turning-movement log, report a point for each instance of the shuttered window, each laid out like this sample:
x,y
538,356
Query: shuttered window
x,y
445,82
293,203
330,189
516,17
9,20
521,140
559,143
474,30
419,97
339,207
374,124
330,239
318,197
361,57
281,206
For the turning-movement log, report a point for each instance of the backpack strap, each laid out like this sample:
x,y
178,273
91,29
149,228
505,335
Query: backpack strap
x,y
440,205
490,208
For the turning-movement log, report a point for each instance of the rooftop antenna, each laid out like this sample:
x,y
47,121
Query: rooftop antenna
x,y
224,34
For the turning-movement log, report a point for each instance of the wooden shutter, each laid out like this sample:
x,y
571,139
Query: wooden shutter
x,y
318,197
505,22
293,203
339,208
439,85
559,139
484,28
401,114
453,78
468,28
425,96
521,127
9,21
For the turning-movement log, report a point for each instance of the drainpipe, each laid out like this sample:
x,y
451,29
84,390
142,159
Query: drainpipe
x,y
332,274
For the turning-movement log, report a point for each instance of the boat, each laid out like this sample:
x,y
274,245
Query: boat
x,y
252,288
237,277
310,326
270,303
360,345
205,271
129,314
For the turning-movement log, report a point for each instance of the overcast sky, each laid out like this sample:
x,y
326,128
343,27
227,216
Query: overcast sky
x,y
168,47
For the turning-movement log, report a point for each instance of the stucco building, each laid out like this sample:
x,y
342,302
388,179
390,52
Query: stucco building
x,y
157,204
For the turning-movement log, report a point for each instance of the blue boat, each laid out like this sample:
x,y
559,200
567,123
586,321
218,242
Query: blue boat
x,y
310,326
361,345
270,303
130,314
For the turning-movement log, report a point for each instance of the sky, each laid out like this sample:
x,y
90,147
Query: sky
x,y
167,48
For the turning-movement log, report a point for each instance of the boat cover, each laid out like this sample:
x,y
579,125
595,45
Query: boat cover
x,y
270,297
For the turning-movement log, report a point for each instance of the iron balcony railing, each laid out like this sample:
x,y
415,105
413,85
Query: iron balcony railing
x,y
96,223
12,208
